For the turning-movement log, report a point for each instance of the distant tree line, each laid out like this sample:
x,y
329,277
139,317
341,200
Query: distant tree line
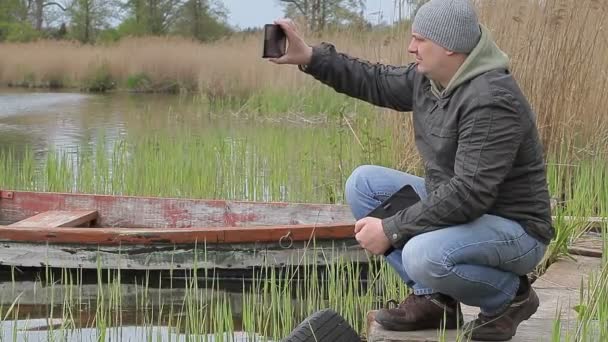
x,y
91,21
94,21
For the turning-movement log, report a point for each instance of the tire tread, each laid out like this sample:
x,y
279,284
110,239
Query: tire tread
x,y
328,326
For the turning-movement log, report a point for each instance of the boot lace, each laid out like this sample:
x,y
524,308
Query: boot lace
x,y
411,298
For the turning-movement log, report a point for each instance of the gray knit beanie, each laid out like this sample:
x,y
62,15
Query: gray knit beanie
x,y
452,24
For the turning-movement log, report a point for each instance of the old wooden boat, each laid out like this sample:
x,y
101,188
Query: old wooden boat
x,y
64,230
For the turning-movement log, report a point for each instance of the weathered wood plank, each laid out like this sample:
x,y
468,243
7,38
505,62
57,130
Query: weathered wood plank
x,y
558,291
134,212
58,218
567,273
166,257
594,223
151,236
533,330
589,244
590,252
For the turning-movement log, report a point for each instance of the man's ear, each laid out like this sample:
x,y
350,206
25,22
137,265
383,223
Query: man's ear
x,y
449,53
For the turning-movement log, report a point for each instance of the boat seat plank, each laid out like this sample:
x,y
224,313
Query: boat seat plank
x,y
58,218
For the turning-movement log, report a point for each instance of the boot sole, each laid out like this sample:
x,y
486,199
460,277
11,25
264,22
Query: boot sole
x,y
526,315
422,325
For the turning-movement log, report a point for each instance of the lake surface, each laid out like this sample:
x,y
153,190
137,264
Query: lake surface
x,y
72,121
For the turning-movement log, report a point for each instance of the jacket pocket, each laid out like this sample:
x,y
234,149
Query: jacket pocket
x,y
443,132
440,124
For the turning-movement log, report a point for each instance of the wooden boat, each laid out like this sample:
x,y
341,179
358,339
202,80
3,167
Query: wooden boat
x,y
40,229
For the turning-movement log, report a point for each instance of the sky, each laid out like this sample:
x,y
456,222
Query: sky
x,y
256,13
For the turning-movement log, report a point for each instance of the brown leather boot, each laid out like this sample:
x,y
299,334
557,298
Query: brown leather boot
x,y
503,326
422,312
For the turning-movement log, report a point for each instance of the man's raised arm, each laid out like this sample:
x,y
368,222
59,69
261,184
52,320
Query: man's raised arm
x,y
381,85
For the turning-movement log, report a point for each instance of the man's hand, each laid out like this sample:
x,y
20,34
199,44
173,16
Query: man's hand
x,y
370,235
298,52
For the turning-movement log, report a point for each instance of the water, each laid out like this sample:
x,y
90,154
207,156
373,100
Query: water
x,y
70,121
37,330
36,308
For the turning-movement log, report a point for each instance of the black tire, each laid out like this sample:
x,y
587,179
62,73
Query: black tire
x,y
323,326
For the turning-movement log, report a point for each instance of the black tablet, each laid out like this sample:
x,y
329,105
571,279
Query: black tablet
x,y
402,199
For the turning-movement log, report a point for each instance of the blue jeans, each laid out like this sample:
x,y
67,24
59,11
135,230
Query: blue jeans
x,y
477,263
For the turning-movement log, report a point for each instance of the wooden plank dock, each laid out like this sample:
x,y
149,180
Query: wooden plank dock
x,y
558,290
589,244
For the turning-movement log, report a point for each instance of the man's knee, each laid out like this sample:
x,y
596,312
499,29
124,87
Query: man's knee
x,y
357,183
424,262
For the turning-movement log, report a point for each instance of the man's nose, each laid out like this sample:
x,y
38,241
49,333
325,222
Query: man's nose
x,y
412,48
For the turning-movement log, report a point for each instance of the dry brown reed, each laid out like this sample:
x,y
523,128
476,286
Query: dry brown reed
x,y
231,63
559,52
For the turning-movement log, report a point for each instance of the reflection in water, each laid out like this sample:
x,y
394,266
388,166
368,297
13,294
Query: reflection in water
x,y
72,122
16,102
27,330
41,310
68,121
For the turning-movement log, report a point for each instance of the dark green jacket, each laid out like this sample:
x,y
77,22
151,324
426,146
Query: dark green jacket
x,y
477,137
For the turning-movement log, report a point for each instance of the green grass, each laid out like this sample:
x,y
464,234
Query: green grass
x,y
592,308
581,188
268,164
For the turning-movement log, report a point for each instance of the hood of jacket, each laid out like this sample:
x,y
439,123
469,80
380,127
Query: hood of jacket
x,y
485,56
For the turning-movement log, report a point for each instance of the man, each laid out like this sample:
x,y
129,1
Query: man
x,y
484,220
